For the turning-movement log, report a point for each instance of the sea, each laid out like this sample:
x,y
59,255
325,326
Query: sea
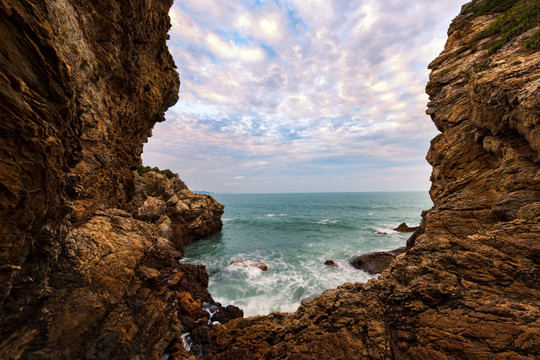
x,y
293,235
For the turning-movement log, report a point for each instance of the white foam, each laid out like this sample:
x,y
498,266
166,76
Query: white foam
x,y
186,341
327,221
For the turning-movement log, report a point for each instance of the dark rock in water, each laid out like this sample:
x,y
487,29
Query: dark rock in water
x,y
403,227
376,262
248,263
381,233
331,263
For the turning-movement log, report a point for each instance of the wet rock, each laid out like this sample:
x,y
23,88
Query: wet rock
x,y
331,263
404,228
220,314
248,263
381,233
376,262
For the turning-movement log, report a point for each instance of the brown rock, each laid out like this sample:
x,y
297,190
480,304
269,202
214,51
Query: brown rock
x,y
152,209
191,216
249,263
331,263
83,210
403,227
82,83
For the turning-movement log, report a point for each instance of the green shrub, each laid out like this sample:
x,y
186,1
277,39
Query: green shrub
x,y
534,41
168,173
519,16
481,66
483,7
141,170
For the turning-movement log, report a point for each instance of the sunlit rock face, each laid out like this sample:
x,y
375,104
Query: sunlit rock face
x,y
467,287
82,275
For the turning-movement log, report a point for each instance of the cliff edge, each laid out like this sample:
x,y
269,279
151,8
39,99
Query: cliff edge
x,y
468,285
88,257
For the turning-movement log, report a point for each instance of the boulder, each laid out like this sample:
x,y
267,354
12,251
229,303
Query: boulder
x,y
376,262
331,263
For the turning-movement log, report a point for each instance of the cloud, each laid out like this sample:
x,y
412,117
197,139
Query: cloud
x,y
329,94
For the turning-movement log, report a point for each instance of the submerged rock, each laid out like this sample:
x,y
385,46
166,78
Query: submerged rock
x,y
248,263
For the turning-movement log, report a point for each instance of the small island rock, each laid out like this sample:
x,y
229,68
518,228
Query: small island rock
x,y
404,228
331,263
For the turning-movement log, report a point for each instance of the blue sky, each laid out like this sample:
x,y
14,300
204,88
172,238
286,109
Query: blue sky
x,y
301,95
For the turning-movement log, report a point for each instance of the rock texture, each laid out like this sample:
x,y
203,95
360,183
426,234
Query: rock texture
x,y
88,261
181,215
468,286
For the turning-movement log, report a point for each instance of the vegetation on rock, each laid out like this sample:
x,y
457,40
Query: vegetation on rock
x,y
517,17
141,170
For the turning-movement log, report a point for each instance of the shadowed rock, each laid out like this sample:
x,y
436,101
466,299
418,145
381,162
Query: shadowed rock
x,y
376,262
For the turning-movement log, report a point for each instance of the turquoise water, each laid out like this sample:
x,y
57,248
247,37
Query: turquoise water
x,y
293,234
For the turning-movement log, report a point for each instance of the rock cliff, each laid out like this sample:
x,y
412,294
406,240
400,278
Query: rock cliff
x,y
468,286
88,258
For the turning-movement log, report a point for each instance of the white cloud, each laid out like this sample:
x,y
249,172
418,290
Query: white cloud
x,y
318,87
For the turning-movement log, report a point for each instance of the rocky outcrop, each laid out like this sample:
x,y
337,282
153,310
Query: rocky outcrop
x,y
180,215
468,285
88,261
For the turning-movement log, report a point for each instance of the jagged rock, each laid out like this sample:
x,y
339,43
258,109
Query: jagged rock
x,y
248,263
83,210
467,287
192,216
376,262
404,228
152,209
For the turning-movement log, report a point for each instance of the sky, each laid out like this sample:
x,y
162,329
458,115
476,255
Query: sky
x,y
301,95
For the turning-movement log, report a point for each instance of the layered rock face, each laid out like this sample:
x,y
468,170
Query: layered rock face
x,y
468,286
86,271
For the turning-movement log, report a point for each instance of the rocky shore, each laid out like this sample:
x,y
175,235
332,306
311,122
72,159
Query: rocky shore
x,y
90,246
